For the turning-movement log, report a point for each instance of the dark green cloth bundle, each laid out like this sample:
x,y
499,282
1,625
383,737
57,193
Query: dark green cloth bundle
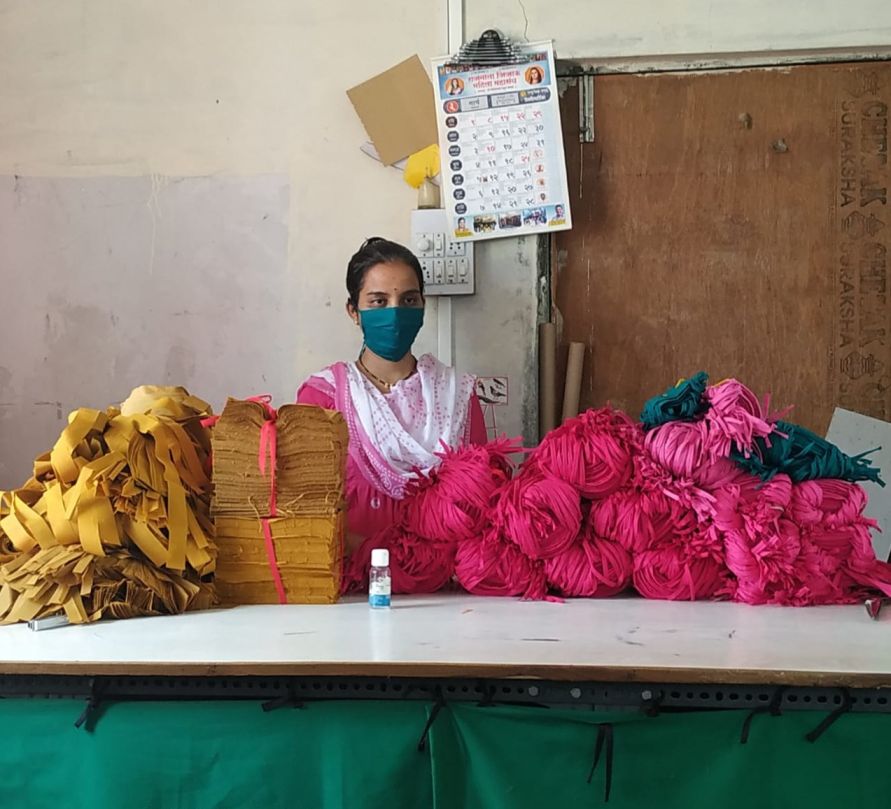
x,y
683,402
803,455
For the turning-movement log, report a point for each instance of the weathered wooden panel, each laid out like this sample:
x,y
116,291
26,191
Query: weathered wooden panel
x,y
736,222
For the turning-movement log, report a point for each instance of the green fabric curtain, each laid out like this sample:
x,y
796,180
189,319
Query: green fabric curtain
x,y
180,755
524,757
226,755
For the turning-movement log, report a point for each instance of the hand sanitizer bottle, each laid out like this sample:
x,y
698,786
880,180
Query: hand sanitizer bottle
x,y
379,579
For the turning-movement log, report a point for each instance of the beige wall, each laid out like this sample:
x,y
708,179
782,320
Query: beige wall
x,y
244,105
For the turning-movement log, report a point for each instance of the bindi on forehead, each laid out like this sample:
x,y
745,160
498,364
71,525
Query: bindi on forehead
x,y
391,280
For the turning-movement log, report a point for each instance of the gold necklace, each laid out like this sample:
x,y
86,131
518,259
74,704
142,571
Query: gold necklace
x,y
375,378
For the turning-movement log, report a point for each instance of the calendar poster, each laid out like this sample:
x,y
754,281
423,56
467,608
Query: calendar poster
x,y
503,170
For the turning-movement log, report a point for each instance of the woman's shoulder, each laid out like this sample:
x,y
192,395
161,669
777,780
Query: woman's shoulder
x,y
431,367
319,388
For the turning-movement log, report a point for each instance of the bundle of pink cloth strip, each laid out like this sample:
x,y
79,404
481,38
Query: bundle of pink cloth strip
x,y
602,506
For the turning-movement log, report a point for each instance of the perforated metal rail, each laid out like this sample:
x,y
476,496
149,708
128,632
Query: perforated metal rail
x,y
650,696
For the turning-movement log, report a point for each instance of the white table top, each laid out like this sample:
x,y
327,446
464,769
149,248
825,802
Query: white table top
x,y
623,639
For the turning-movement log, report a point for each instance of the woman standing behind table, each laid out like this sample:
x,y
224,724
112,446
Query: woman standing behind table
x,y
399,409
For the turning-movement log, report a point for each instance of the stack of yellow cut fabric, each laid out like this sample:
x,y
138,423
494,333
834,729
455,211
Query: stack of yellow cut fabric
x,y
307,551
296,534
312,450
239,487
311,445
115,520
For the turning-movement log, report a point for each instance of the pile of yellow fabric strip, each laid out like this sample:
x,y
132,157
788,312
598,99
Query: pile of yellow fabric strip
x,y
115,520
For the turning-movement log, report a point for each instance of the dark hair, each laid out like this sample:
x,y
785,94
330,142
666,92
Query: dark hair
x,y
373,251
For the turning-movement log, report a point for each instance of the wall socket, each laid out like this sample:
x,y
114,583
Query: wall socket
x,y
447,264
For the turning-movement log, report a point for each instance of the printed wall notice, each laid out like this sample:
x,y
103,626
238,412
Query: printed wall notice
x,y
503,170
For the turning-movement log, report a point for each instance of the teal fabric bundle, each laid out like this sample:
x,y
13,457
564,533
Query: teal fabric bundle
x,y
684,402
803,455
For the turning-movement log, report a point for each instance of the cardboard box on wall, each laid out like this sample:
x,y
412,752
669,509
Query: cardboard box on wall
x,y
396,108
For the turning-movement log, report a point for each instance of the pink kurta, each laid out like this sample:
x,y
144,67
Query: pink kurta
x,y
371,506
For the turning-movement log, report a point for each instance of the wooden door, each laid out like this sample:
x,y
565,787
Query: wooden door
x,y
735,222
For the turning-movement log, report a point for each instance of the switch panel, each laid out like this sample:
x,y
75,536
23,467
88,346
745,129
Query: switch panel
x,y
447,264
454,249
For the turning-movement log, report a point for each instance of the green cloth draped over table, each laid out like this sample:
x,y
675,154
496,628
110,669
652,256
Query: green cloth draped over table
x,y
364,755
504,758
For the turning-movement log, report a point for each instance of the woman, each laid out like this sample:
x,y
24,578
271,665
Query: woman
x,y
454,86
399,410
534,75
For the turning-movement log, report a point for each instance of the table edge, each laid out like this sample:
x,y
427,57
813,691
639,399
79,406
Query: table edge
x,y
560,673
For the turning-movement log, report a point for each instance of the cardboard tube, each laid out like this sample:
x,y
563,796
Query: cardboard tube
x,y
573,387
547,378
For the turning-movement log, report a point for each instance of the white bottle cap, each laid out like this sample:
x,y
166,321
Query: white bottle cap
x,y
380,557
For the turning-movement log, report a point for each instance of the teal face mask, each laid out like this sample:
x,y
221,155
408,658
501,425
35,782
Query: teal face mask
x,y
390,332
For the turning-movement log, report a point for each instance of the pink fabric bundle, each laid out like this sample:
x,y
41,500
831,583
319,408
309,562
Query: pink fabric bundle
x,y
735,419
592,452
720,473
693,502
668,512
823,575
416,565
679,446
752,503
838,561
761,544
684,558
765,561
591,567
643,513
492,566
683,450
799,544
500,451
835,502
452,502
540,513
678,570
631,519
861,563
